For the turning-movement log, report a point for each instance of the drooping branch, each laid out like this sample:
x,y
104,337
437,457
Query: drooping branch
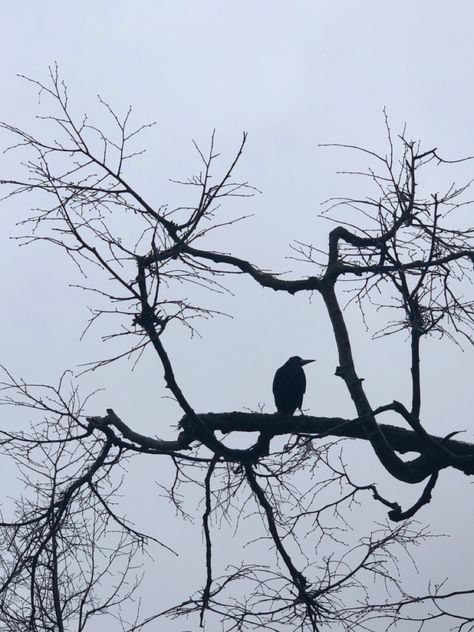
x,y
207,537
398,515
299,580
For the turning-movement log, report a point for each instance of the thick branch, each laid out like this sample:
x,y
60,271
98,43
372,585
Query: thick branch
x,y
400,439
452,453
409,472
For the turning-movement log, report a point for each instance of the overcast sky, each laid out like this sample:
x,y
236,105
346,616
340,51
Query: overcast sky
x,y
293,75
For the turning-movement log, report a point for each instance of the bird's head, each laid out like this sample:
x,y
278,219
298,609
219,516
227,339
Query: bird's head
x,y
297,361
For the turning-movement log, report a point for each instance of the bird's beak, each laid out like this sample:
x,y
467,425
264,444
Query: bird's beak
x,y
303,362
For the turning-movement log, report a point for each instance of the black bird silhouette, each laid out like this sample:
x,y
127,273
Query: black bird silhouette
x,y
289,385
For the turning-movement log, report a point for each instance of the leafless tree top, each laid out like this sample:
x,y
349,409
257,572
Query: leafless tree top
x,y
409,253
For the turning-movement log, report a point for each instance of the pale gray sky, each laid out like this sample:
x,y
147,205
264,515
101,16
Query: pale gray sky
x,y
292,75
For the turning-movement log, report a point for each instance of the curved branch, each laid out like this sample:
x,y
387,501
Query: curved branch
x,y
397,515
265,279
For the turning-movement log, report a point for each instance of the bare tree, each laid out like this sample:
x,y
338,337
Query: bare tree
x,y
68,555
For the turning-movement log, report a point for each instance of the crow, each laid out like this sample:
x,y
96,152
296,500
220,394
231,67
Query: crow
x,y
289,385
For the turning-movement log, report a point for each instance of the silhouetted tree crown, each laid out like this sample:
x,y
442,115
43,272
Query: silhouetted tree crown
x,y
68,555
